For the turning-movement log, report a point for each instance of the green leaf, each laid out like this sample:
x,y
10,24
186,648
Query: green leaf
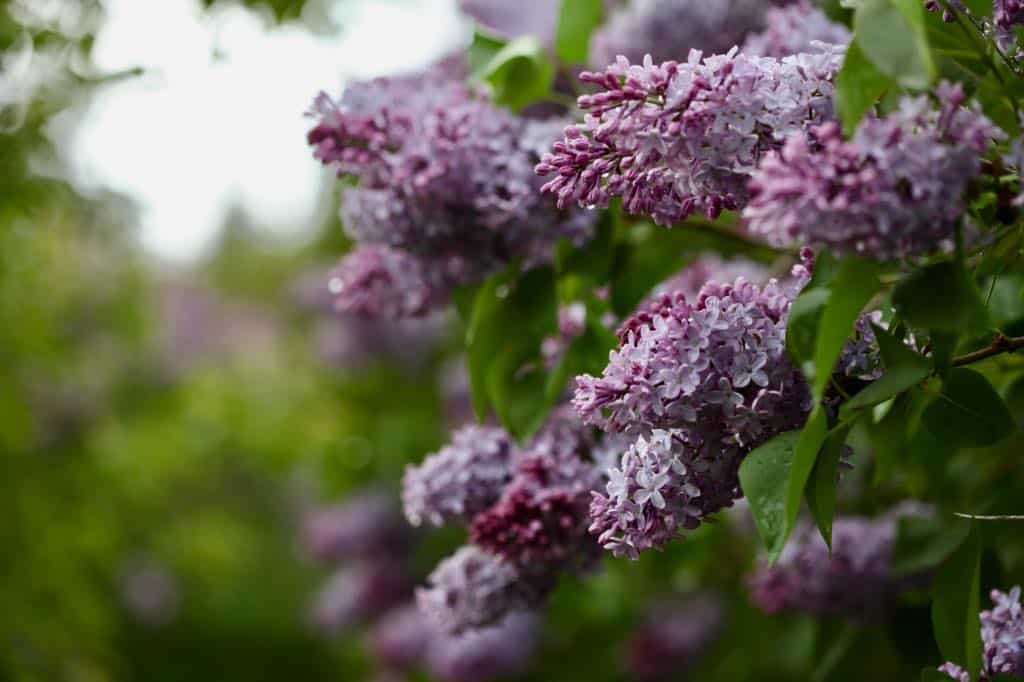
x,y
821,489
924,542
515,384
519,73
968,412
904,368
940,297
859,85
576,21
955,605
854,284
805,454
892,36
805,312
481,51
763,476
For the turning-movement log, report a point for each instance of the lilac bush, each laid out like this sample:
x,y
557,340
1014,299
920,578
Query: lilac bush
x,y
894,190
675,138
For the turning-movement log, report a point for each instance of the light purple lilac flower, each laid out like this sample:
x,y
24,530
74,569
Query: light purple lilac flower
x,y
676,138
700,385
896,189
1002,637
501,650
473,588
1008,13
365,524
707,267
537,18
445,194
357,592
794,29
672,637
857,581
461,479
669,29
400,638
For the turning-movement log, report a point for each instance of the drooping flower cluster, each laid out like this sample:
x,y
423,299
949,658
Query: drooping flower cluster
x,y
676,138
857,581
666,29
896,189
699,385
673,636
1002,637
794,29
445,190
527,521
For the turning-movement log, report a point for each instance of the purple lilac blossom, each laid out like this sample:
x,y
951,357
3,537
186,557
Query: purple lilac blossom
x,y
705,268
1008,13
149,591
365,524
794,29
668,29
501,650
357,592
894,190
857,581
1002,636
445,194
461,479
673,636
400,638
572,321
700,386
472,589
537,18
674,138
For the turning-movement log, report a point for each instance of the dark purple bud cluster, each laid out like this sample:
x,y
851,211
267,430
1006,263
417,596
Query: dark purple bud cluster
x,y
675,138
894,190
445,194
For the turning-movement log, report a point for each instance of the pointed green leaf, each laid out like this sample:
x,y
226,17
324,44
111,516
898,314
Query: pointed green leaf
x,y
763,476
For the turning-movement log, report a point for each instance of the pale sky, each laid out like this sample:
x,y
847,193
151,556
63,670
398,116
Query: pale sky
x,y
218,118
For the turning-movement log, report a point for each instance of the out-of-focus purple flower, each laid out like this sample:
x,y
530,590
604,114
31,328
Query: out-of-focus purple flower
x,y
460,480
793,29
472,589
669,29
857,581
672,637
676,138
537,18
707,267
456,393
948,8
444,179
1008,13
1002,637
149,591
572,321
365,524
501,650
701,385
357,592
401,637
894,190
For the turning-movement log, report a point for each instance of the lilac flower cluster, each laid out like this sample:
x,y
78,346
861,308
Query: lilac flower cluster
x,y
855,581
367,523
356,592
699,386
404,638
675,138
527,512
894,190
707,267
673,636
1002,636
666,29
1008,13
445,192
794,29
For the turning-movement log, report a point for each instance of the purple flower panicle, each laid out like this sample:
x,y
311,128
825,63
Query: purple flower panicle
x,y
1002,637
793,29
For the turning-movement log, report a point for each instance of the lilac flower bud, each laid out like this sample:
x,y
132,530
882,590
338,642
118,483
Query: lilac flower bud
x,y
472,589
857,581
894,190
675,138
363,525
501,650
460,480
357,592
794,29
673,636
400,638
668,29
1002,637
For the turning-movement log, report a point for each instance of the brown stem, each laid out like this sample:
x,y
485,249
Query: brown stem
x,y
1000,344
